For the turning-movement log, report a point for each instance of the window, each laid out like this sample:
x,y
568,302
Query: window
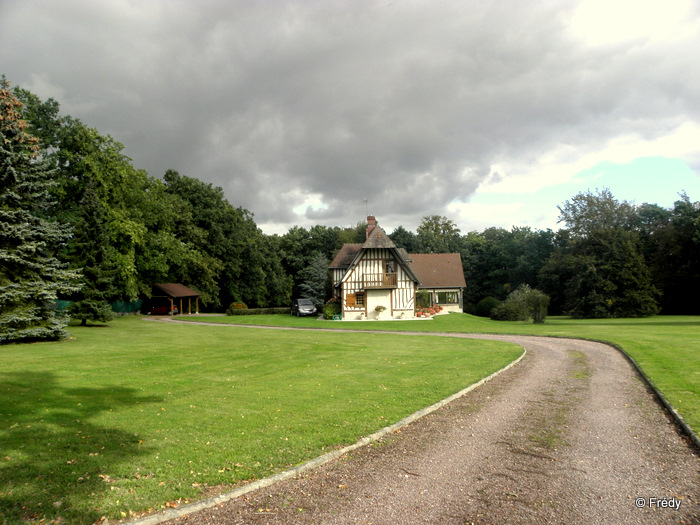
x,y
424,299
355,300
447,298
350,300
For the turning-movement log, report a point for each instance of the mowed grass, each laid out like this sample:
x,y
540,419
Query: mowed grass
x,y
141,415
667,348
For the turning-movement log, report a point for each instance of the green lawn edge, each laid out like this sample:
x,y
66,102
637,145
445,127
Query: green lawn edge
x,y
666,348
135,416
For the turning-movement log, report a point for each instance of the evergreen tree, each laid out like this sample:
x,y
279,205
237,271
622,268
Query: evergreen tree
x,y
91,252
31,276
316,279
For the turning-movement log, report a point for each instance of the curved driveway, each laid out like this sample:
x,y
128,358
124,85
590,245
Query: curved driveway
x,y
570,435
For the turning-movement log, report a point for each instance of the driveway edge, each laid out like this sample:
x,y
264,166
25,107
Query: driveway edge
x,y
190,508
677,418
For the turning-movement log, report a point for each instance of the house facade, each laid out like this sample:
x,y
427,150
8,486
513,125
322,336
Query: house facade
x,y
441,279
378,274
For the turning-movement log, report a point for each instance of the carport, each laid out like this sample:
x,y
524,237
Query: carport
x,y
177,292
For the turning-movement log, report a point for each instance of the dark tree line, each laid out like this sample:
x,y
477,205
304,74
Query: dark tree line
x,y
611,259
78,221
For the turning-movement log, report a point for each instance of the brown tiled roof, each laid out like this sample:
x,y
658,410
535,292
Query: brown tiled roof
x,y
174,290
438,270
434,270
345,256
378,239
404,255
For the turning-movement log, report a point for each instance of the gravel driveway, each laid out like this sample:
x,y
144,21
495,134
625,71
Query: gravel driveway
x,y
569,436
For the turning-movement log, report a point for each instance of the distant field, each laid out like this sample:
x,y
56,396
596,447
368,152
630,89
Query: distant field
x,y
666,347
139,415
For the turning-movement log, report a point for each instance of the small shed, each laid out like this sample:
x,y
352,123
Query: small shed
x,y
177,292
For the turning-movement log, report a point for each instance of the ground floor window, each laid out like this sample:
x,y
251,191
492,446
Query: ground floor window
x,y
447,297
355,300
426,298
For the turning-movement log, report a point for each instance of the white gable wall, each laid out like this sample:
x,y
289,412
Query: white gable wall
x,y
398,300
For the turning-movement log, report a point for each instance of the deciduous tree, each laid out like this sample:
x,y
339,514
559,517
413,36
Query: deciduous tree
x,y
437,234
600,268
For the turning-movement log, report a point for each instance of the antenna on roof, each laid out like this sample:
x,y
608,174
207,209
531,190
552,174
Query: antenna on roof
x,y
366,206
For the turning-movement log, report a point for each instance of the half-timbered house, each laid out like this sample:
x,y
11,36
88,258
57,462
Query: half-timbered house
x,y
376,279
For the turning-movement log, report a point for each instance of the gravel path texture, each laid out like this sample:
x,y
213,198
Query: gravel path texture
x,y
571,435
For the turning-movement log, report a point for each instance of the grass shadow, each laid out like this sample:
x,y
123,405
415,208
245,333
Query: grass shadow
x,y
55,462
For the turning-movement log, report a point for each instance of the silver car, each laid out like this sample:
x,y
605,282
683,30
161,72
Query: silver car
x,y
303,307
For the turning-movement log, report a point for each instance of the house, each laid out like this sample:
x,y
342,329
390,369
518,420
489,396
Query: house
x,y
378,274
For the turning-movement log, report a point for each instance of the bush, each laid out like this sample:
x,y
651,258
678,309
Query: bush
x,y
258,311
538,302
238,305
486,306
522,304
429,311
332,307
510,311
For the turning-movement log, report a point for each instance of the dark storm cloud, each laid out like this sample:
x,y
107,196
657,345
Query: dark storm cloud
x,y
407,104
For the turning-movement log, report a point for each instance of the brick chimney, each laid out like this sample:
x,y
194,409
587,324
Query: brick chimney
x,y
371,224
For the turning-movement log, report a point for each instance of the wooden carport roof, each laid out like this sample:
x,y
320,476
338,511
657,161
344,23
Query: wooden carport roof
x,y
177,291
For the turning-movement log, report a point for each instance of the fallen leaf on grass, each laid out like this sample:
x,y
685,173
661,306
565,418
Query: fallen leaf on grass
x,y
106,478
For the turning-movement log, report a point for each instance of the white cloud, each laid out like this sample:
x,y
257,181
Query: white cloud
x,y
611,22
311,203
564,161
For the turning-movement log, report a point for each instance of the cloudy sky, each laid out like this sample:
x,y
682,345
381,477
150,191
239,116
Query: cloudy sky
x,y
491,113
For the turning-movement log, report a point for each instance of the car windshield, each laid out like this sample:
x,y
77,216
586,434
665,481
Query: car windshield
x,y
305,302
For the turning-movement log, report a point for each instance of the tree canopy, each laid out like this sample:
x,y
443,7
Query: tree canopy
x,y
78,221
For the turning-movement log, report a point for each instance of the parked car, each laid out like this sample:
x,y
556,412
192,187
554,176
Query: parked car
x,y
303,307
162,310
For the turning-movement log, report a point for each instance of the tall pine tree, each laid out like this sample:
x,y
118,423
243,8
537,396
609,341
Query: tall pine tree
x,y
31,277
316,279
92,253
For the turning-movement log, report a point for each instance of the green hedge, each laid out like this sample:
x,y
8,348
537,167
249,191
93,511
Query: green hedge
x,y
258,311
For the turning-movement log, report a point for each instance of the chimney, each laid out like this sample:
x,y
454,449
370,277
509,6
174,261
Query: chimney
x,y
371,223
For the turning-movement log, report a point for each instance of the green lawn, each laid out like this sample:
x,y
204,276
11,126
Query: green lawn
x,y
125,418
667,348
